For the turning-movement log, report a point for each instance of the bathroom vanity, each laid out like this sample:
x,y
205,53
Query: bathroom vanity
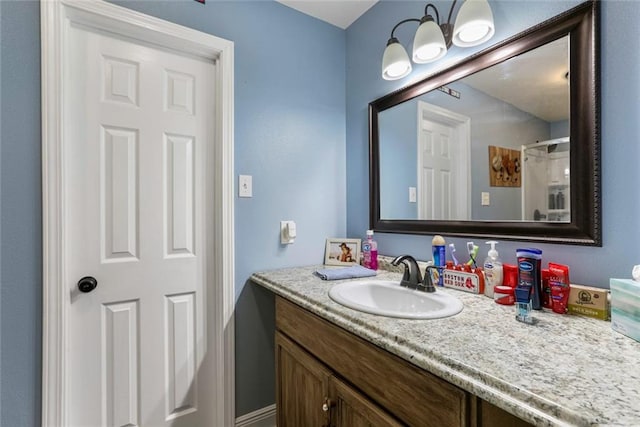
x,y
341,367
328,376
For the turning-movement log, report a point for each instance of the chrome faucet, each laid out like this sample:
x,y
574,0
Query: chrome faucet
x,y
412,277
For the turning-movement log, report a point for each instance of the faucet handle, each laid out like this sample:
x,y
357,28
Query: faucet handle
x,y
428,281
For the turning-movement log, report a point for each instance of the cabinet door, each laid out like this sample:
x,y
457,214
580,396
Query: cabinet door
x,y
489,415
351,409
302,387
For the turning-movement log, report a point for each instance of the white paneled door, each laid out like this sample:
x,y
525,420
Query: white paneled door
x,y
443,164
436,171
138,163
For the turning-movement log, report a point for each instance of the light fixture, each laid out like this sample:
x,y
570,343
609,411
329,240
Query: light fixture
x,y
395,61
473,26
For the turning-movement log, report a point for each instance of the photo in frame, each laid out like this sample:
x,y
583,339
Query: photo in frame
x,y
342,251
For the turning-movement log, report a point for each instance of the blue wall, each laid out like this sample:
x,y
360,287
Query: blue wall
x,y
20,217
398,164
289,134
493,122
366,39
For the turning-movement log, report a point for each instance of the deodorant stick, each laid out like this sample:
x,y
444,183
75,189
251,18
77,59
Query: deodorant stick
x,y
439,255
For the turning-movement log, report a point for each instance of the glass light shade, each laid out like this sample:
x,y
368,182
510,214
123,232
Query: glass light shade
x,y
474,24
395,62
428,44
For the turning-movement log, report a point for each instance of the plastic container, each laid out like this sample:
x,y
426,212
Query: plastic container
x,y
370,252
492,270
481,278
504,295
510,275
559,200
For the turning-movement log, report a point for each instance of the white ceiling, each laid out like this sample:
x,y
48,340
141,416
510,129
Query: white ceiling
x,y
340,13
533,82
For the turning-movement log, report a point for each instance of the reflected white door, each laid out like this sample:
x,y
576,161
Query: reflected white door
x,y
436,171
443,164
138,179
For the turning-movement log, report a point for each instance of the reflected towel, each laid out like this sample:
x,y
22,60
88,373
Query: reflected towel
x,y
344,273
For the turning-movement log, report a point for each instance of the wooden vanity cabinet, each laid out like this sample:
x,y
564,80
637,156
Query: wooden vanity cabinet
x,y
309,395
302,386
326,376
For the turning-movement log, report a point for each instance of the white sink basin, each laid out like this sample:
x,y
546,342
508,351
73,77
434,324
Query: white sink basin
x,y
387,298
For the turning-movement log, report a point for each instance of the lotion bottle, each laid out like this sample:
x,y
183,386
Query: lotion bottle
x,y
492,269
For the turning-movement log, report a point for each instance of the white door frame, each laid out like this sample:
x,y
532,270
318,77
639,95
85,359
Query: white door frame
x,y
56,16
462,129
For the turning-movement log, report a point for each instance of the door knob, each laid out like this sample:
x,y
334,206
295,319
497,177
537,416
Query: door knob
x,y
87,284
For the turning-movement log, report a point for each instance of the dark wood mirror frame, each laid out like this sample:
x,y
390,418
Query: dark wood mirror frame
x,y
582,25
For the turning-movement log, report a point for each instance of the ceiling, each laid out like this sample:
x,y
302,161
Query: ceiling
x,y
534,82
340,13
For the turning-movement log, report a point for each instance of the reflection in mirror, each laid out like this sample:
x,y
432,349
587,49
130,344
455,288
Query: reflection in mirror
x,y
504,144
502,132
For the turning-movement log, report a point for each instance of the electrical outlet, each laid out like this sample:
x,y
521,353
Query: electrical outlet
x,y
486,200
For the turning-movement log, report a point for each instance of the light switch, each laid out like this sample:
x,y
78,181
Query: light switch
x,y
486,201
412,195
245,186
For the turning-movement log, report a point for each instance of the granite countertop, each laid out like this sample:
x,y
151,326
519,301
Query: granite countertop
x,y
565,370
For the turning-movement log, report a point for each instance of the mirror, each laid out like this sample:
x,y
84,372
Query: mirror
x,y
504,144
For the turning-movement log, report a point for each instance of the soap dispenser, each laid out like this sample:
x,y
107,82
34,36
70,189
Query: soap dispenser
x,y
492,269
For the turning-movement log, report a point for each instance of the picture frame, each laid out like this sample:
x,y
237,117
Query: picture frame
x,y
339,251
504,167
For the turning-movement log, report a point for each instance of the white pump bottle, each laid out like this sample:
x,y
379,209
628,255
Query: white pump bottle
x,y
492,269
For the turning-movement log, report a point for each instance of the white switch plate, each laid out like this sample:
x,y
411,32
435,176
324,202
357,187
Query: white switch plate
x,y
486,200
245,186
412,195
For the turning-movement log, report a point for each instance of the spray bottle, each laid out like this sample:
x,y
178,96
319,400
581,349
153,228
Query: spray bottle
x,y
492,269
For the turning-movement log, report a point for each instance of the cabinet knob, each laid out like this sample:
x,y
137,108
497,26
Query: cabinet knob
x,y
328,404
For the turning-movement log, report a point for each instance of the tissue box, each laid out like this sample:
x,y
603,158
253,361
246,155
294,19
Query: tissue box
x,y
589,301
625,307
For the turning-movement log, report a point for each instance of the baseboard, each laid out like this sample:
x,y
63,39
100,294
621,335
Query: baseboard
x,y
265,417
